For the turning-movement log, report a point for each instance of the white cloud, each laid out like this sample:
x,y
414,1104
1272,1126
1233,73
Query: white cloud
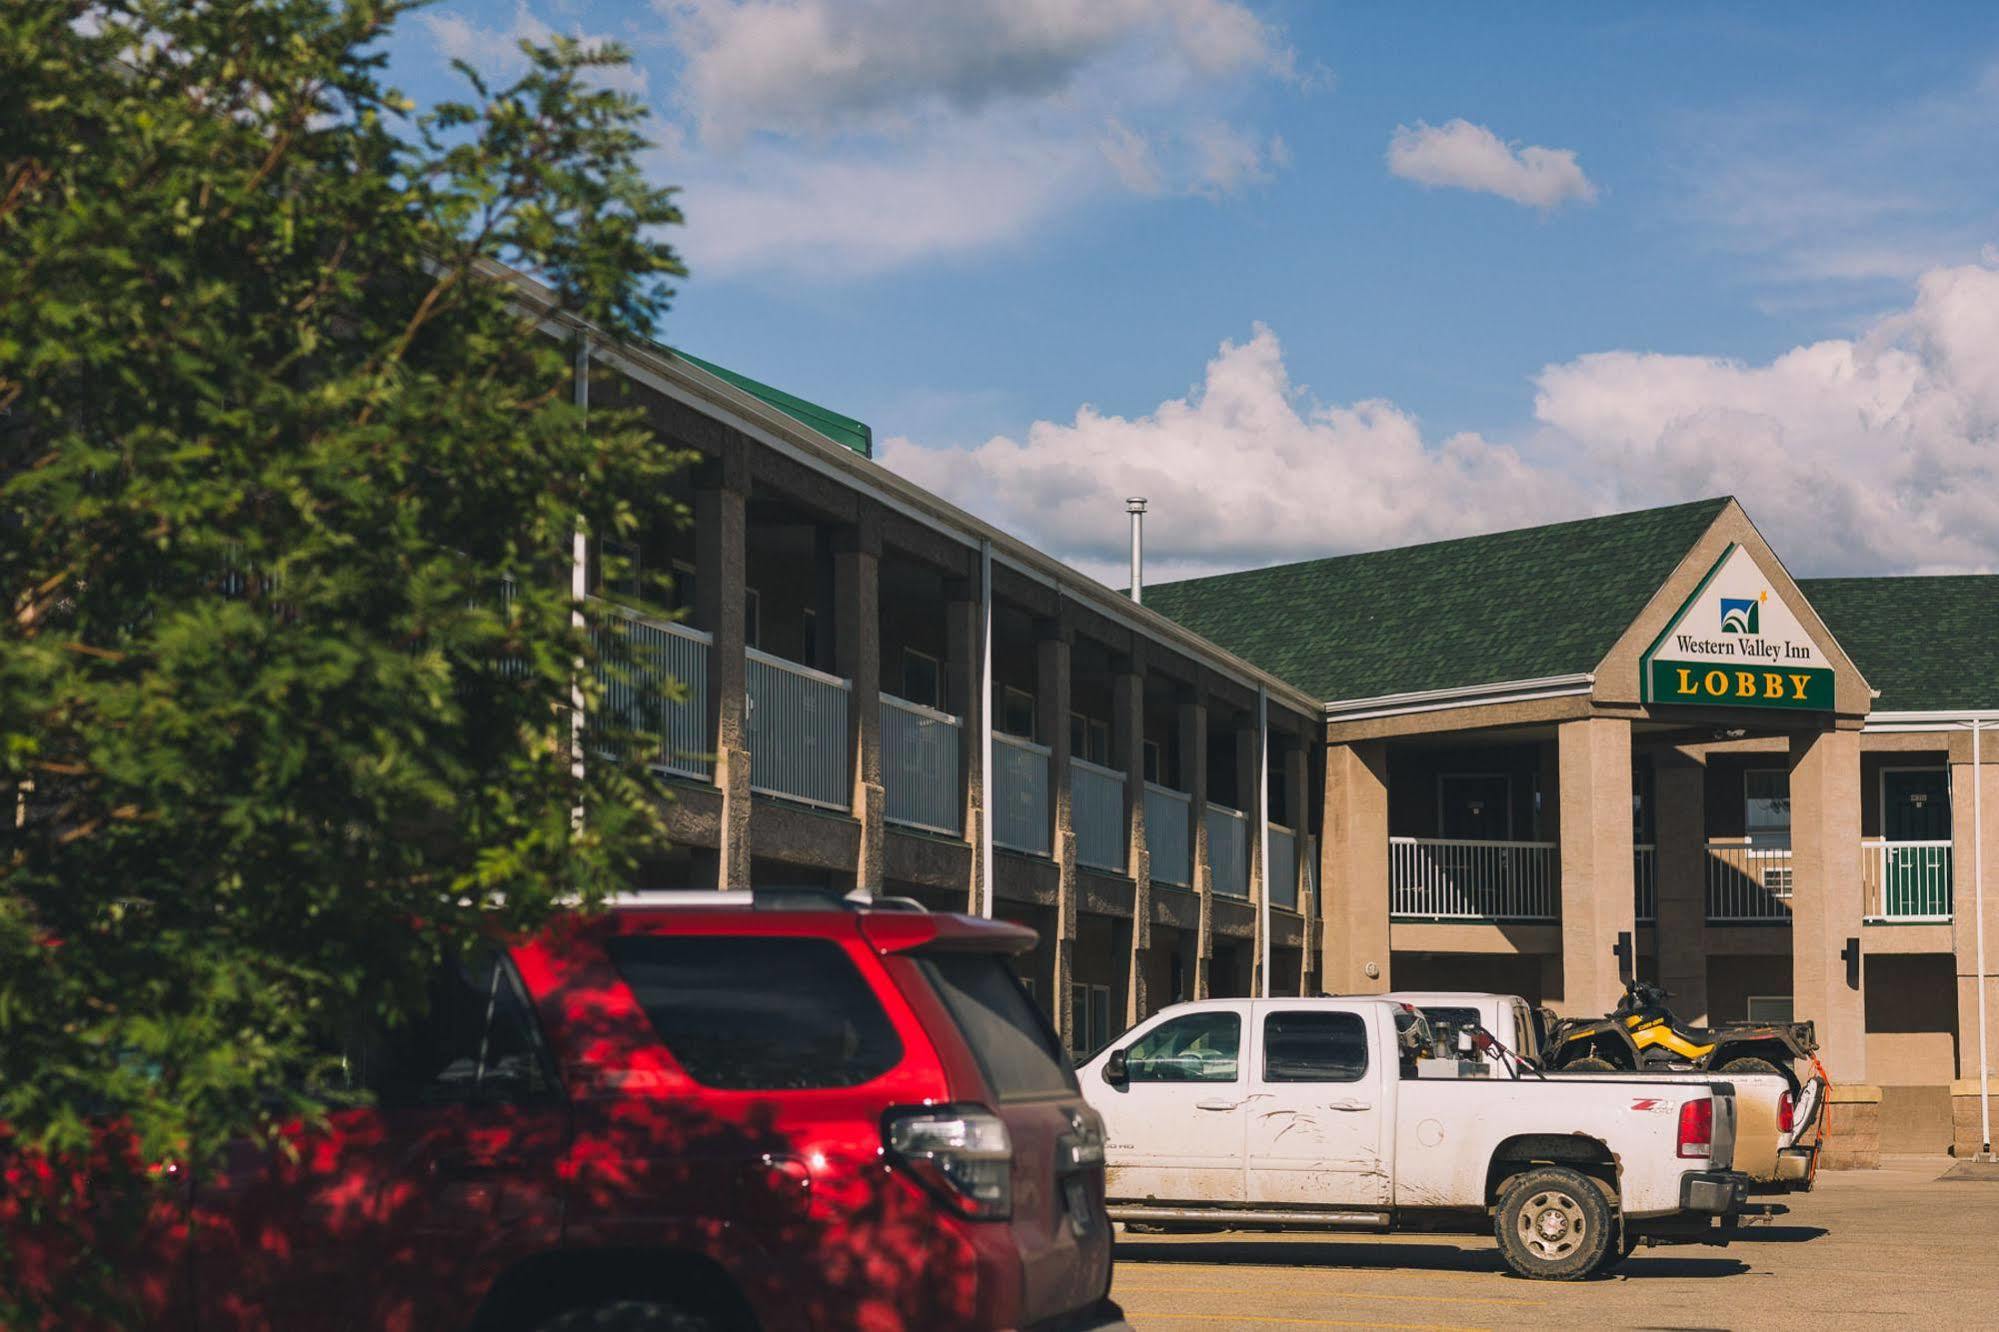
x,y
1465,156
1878,454
496,52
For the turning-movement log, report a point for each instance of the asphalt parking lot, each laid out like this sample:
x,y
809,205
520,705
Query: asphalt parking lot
x,y
1897,1245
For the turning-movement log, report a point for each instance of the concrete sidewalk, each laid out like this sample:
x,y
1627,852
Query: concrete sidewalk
x,y
1865,1249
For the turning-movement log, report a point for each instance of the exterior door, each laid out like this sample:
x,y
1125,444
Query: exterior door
x,y
1315,1138
1174,1130
1915,807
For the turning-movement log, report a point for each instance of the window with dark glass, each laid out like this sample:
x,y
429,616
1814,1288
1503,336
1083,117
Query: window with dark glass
x,y
1199,1047
476,1040
1307,1046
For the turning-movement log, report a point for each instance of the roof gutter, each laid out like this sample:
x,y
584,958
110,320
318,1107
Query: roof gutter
x,y
1462,696
689,384
1946,720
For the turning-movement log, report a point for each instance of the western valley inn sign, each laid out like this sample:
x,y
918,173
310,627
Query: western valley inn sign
x,y
1736,644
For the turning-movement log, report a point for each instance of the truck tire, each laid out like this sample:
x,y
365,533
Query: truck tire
x,y
630,1316
1589,1064
1554,1224
1751,1064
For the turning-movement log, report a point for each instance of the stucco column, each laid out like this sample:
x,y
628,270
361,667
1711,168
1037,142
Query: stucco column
x,y
1192,718
1679,786
1353,870
857,656
1964,902
1596,854
964,699
721,526
1826,905
1052,666
1128,753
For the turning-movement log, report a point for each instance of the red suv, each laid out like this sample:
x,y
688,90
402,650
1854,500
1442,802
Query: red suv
x,y
697,1112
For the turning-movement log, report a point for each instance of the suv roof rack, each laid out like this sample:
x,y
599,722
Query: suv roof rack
x,y
762,899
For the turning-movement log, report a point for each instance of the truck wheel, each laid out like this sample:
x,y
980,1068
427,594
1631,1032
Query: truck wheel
x,y
1750,1064
1615,1254
1554,1224
629,1316
1589,1064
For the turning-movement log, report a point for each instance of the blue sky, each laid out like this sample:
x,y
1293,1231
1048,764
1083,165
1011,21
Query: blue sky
x,y
1331,277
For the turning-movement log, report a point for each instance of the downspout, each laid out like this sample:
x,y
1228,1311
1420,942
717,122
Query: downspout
x,y
1135,506
1263,826
1978,907
579,590
985,903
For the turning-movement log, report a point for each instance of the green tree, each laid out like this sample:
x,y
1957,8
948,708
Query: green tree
x,y
288,483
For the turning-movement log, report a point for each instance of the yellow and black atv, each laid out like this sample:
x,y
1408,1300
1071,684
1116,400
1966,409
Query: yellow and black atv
x,y
1642,1033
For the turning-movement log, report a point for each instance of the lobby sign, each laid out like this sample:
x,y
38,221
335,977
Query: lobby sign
x,y
1735,644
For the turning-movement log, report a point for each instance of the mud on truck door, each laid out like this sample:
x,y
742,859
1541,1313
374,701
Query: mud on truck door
x,y
1173,1122
1317,1109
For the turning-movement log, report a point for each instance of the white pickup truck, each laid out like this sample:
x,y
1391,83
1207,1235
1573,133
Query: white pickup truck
x,y
1777,1134
1310,1113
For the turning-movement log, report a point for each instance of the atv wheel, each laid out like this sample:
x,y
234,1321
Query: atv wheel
x,y
1554,1224
1750,1064
1589,1064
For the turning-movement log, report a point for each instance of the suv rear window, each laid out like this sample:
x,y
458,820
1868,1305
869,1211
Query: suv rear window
x,y
759,1014
1014,1044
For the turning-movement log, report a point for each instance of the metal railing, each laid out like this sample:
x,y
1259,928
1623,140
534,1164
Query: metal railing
x,y
1228,849
1282,872
1434,878
1096,809
798,732
1020,794
659,686
1907,882
1645,881
920,766
1747,883
1168,834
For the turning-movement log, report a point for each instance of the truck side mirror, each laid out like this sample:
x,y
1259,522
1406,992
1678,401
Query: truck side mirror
x,y
1114,1070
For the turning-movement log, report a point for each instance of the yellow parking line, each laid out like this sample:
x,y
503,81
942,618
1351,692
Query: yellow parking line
x,y
1304,1322
1340,1295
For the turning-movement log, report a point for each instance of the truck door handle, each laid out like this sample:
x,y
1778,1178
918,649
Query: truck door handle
x,y
1350,1105
1216,1105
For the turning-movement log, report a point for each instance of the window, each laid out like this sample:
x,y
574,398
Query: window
x,y
1090,1019
1446,1023
1766,803
683,587
808,650
620,568
751,1014
1200,1047
1314,1047
1152,762
1017,713
1089,740
1014,1044
922,680
752,618
1769,1008
475,1041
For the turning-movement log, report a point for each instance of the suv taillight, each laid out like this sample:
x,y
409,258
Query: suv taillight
x,y
1697,1127
1787,1113
961,1153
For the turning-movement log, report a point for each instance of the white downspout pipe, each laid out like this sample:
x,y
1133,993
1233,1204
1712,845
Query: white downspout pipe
x,y
1978,907
1135,506
1263,827
986,894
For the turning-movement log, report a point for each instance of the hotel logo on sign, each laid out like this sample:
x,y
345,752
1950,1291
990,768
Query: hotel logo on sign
x,y
1735,645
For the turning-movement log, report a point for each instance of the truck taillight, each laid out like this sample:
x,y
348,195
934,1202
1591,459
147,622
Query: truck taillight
x,y
1697,1127
1787,1113
960,1153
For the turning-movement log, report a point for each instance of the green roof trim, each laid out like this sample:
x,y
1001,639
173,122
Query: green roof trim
x,y
842,430
1520,605
1928,643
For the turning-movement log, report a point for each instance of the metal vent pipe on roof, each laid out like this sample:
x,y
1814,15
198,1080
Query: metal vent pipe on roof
x,y
1135,506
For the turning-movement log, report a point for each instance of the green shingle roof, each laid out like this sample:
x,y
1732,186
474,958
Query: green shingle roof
x,y
843,430
1518,605
1929,644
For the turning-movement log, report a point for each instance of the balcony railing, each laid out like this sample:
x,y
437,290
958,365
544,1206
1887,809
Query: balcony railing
x,y
1645,882
798,732
1096,808
1020,795
1906,882
638,696
1748,884
1228,849
1168,824
920,766
1282,872
1433,878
